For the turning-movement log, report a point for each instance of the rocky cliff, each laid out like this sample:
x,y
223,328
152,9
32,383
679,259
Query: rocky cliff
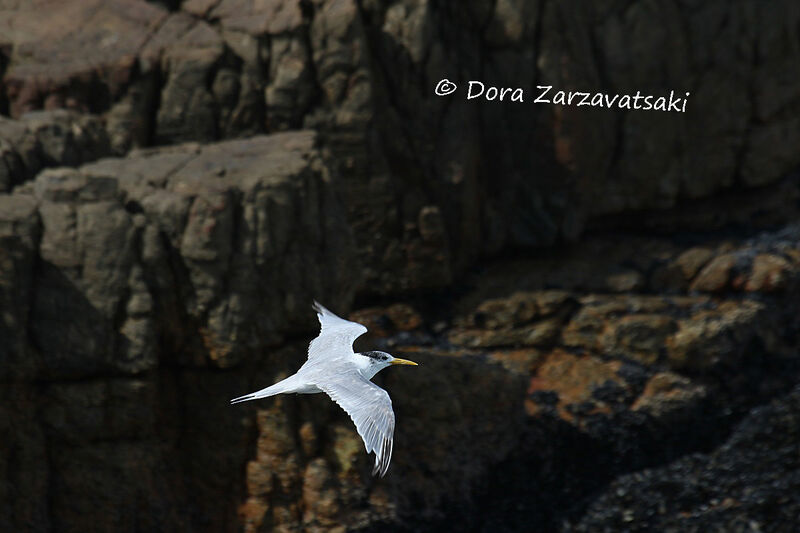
x,y
603,303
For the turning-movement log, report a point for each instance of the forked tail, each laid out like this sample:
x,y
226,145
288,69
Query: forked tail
x,y
253,396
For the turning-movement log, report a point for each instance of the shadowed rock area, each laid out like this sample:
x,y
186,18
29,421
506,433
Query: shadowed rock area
x,y
603,302
742,486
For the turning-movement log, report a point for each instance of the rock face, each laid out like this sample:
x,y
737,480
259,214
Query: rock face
x,y
742,486
187,236
211,70
48,139
525,404
124,277
180,179
324,484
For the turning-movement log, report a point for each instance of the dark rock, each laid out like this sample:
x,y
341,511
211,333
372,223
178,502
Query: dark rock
x,y
523,319
213,70
770,273
389,320
24,466
716,275
53,66
141,288
48,139
187,111
666,393
748,484
105,270
677,274
575,380
462,440
235,215
640,337
721,336
20,231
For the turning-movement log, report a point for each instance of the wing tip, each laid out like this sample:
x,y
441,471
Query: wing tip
x,y
325,313
383,459
320,309
379,469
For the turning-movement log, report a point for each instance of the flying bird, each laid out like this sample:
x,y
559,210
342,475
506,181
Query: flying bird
x,y
335,369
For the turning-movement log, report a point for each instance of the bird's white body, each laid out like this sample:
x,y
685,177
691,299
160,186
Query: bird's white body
x,y
293,383
334,368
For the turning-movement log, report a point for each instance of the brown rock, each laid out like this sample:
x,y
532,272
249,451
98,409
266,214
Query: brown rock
x,y
53,65
255,17
48,139
541,333
625,281
692,260
666,394
523,319
504,313
599,313
187,110
639,337
93,311
20,232
384,321
716,275
521,361
769,273
320,498
519,309
290,490
573,379
678,273
710,337
238,67
123,281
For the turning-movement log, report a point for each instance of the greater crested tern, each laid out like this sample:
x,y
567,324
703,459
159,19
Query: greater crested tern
x,y
335,369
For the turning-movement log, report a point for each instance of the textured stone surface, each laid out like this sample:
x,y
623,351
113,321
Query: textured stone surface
x,y
120,242
47,139
119,277
309,471
178,181
745,485
137,351
170,72
51,65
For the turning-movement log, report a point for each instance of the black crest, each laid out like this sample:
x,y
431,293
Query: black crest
x,y
378,356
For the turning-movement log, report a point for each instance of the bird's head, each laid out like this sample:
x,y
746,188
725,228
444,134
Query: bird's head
x,y
377,361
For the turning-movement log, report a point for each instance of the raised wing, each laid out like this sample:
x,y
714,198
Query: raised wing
x,y
336,337
370,408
